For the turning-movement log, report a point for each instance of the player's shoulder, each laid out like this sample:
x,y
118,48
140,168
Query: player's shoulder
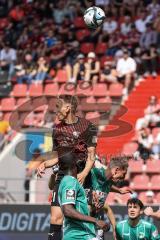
x,y
147,224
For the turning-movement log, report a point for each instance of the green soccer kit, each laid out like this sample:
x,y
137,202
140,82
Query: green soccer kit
x,y
142,231
71,192
100,183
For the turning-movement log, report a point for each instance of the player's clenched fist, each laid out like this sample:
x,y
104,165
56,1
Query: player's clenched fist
x,y
41,170
103,225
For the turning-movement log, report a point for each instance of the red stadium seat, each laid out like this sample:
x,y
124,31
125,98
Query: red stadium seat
x,y
142,197
110,198
3,23
87,47
88,104
81,34
104,104
8,104
61,76
125,198
35,90
140,182
94,117
100,90
24,105
130,148
155,182
153,166
84,90
79,22
68,89
51,89
136,166
20,90
101,48
7,116
105,59
115,90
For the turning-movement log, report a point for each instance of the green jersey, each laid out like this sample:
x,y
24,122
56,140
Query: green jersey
x,y
100,183
143,231
71,192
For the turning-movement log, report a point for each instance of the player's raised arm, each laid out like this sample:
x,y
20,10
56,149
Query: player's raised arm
x,y
111,217
149,212
47,164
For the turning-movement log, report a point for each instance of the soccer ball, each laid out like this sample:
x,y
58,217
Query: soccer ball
x,y
94,17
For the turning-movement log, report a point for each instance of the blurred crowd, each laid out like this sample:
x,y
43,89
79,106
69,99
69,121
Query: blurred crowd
x,y
39,37
148,131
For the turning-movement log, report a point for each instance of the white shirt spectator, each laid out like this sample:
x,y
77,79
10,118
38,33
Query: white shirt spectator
x,y
125,28
125,66
8,55
154,9
110,26
141,24
146,142
141,123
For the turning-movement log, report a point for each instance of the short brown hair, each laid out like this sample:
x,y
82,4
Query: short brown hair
x,y
73,100
119,161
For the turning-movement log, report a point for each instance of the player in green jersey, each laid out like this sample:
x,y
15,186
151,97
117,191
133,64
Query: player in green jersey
x,y
135,228
103,182
73,202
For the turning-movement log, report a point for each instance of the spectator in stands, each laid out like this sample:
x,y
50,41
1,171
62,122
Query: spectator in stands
x,y
8,58
17,13
27,70
150,197
142,21
156,147
154,8
114,43
59,12
108,28
126,67
148,38
79,69
51,39
109,73
145,141
152,111
92,68
41,71
126,25
157,28
150,61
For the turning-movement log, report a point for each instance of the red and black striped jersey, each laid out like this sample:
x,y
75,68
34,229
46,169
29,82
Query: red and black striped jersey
x,y
76,137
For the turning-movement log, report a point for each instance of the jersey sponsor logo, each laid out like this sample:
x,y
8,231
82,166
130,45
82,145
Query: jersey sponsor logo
x,y
155,233
70,194
141,235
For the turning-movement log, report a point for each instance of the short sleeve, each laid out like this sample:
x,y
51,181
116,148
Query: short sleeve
x,y
68,191
154,233
118,234
91,135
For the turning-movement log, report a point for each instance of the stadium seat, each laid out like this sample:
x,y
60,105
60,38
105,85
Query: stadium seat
x,y
153,166
110,198
104,104
24,105
130,148
3,23
35,90
68,89
6,116
88,104
79,22
87,47
20,90
84,90
51,89
8,104
115,90
155,182
125,197
61,76
100,90
94,117
140,182
81,34
136,166
142,197
104,59
101,48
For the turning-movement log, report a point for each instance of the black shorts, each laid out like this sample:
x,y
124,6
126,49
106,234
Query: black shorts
x,y
87,186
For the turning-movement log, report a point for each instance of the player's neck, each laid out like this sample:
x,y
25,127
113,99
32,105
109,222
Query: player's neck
x,y
71,119
134,222
71,173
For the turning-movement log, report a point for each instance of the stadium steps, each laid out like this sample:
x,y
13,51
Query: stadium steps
x,y
113,138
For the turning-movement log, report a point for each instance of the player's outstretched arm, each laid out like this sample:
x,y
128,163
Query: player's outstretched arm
x,y
70,212
89,164
111,217
47,164
121,190
149,212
